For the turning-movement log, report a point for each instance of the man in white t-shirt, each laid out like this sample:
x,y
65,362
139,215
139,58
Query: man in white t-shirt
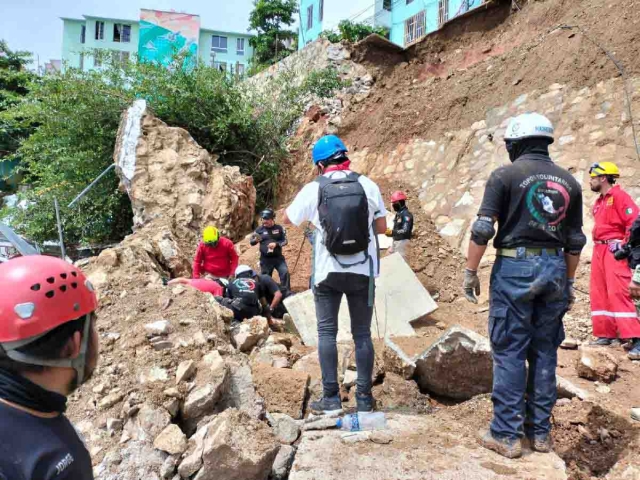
x,y
337,275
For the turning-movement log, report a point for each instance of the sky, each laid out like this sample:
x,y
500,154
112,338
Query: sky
x,y
35,25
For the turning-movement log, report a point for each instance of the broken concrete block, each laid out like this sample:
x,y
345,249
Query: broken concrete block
x,y
396,360
283,462
237,447
171,440
283,390
458,365
193,458
152,420
566,389
242,392
161,327
186,370
596,364
247,335
400,299
310,364
202,400
285,428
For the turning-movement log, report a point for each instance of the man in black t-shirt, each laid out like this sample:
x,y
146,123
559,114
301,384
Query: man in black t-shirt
x,y
273,296
538,207
272,238
48,347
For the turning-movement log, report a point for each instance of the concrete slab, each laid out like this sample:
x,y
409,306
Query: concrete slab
x,y
400,300
421,448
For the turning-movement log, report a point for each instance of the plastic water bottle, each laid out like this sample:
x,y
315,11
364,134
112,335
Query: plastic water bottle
x,y
360,422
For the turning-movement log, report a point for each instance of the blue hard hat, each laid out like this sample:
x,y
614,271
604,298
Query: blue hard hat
x,y
327,147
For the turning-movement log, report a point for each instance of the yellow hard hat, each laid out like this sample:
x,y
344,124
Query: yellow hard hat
x,y
210,235
604,168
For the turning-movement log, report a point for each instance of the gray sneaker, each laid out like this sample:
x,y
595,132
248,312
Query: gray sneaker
x,y
365,403
541,444
326,406
506,447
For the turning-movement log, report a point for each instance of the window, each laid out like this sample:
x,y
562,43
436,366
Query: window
x,y
97,60
218,43
99,30
121,33
240,46
123,57
409,1
239,69
443,11
414,28
222,66
81,61
321,10
309,17
386,5
83,33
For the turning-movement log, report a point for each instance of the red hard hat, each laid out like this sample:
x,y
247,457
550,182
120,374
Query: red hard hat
x,y
39,293
398,196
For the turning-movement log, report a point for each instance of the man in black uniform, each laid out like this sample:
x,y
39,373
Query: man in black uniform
x,y
273,296
402,225
48,347
242,295
538,206
272,238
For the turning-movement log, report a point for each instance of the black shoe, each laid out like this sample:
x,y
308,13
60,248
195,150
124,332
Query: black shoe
x,y
365,403
615,343
326,406
601,342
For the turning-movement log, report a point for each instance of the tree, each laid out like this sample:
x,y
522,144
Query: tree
x,y
268,18
14,86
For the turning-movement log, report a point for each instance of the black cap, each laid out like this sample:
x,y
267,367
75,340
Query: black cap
x,y
268,214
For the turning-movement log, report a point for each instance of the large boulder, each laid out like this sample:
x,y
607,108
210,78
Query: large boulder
x,y
458,365
237,447
242,391
284,390
168,175
247,334
213,384
596,364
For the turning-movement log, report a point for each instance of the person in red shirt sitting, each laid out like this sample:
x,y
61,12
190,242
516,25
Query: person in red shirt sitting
x,y
216,256
613,312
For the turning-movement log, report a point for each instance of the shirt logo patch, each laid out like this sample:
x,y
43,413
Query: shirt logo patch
x,y
629,211
275,232
609,201
63,464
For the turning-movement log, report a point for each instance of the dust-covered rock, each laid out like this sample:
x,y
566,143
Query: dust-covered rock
x,y
285,428
458,365
237,447
242,392
247,334
283,390
399,394
283,462
171,440
186,370
152,420
596,364
161,327
137,460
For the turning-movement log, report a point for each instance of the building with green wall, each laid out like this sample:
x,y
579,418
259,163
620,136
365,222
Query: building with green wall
x,y
154,37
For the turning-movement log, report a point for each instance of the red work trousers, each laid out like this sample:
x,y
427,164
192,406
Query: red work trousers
x,y
613,313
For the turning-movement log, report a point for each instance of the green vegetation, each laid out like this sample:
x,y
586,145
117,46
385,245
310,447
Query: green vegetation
x,y
353,32
271,42
74,117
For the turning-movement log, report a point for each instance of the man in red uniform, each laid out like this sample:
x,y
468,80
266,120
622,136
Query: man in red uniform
x,y
216,256
613,313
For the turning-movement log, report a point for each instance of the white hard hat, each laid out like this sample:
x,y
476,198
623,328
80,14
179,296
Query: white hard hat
x,y
243,269
529,125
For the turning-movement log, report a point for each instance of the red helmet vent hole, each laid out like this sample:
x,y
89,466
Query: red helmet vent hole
x,y
51,280
63,288
35,287
75,274
74,285
50,294
63,276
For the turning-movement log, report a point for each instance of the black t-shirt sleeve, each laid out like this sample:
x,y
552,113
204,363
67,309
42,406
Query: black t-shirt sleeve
x,y
267,286
494,195
574,215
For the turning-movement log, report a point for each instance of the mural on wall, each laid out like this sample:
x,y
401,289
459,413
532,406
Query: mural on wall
x,y
165,34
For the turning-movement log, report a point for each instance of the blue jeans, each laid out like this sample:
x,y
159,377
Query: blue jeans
x,y
328,296
528,302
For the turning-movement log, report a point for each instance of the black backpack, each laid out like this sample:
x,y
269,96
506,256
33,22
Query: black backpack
x,y
343,209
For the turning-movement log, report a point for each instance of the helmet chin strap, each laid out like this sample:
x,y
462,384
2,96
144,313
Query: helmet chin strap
x,y
78,364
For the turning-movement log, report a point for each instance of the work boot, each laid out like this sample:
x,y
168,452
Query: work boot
x,y
326,406
635,414
634,353
505,447
365,403
601,342
541,443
